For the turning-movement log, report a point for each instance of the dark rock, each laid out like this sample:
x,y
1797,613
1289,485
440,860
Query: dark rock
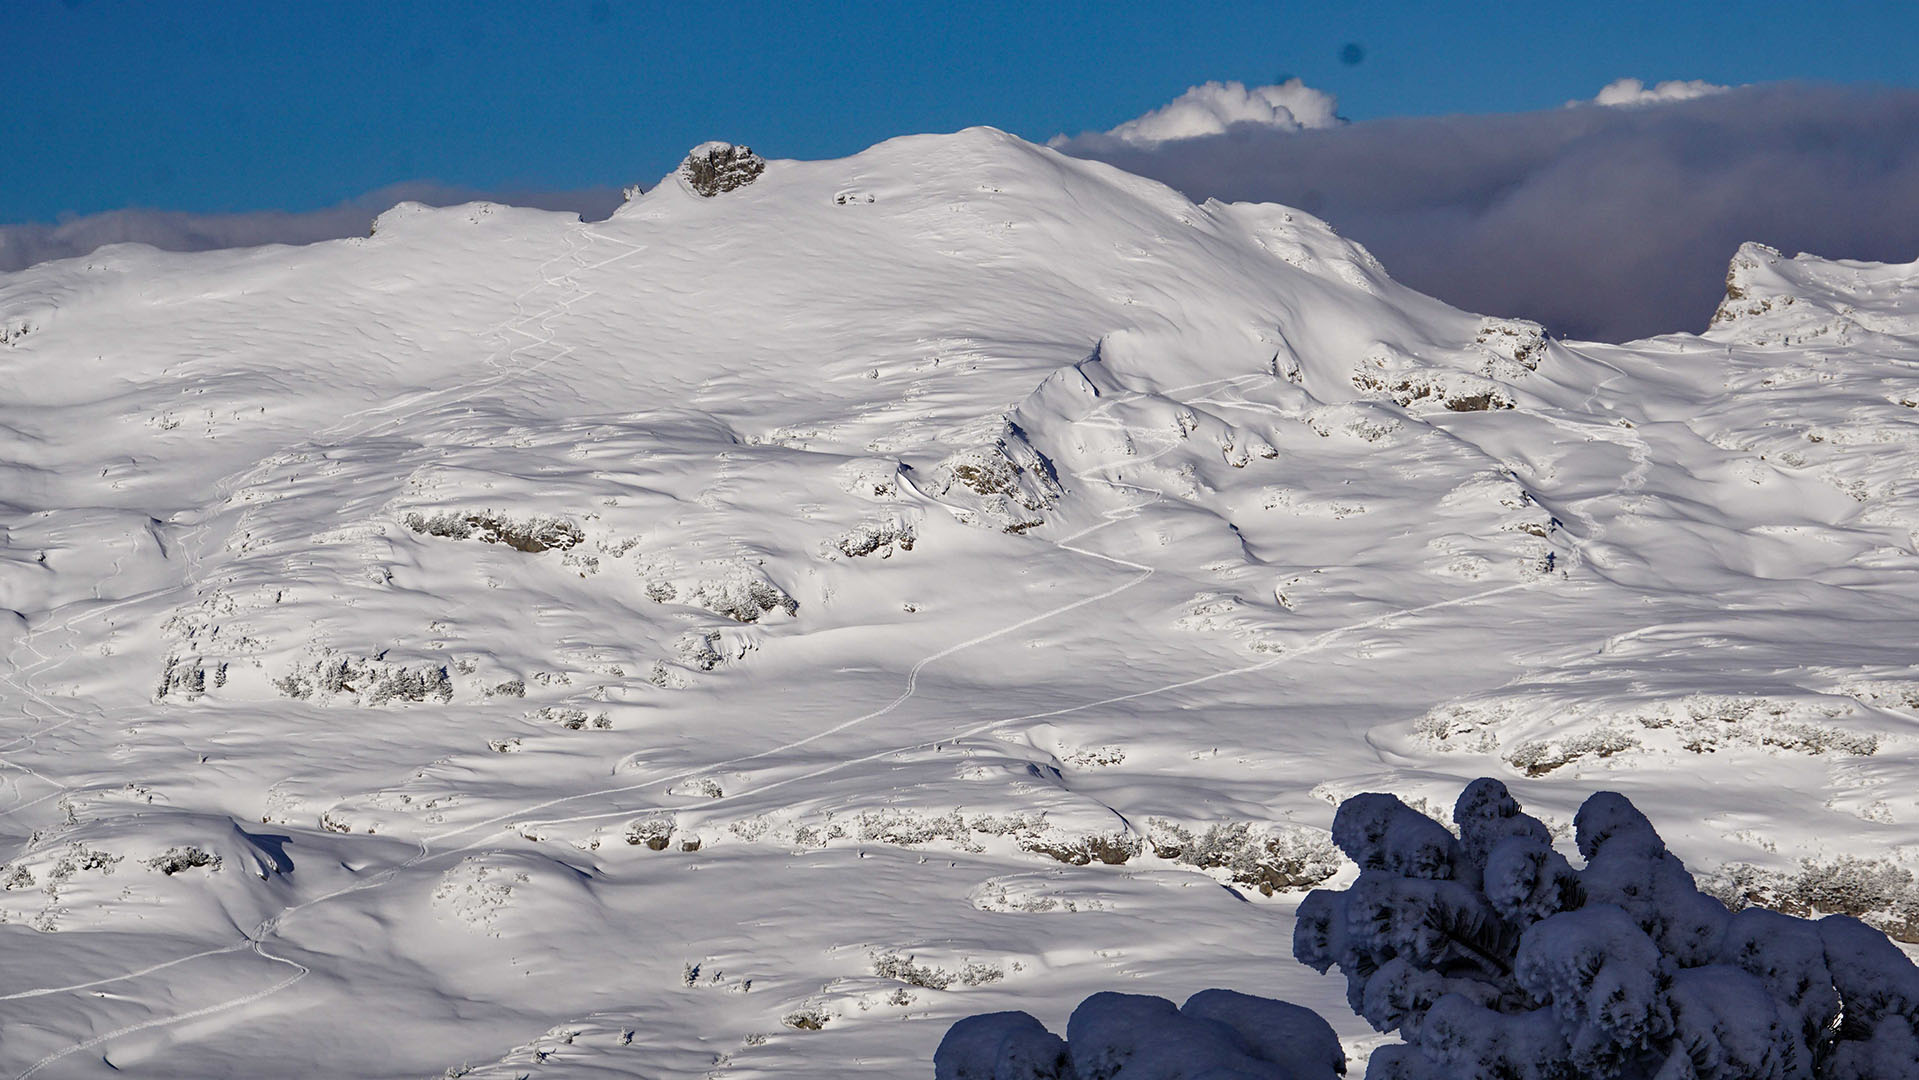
x,y
716,167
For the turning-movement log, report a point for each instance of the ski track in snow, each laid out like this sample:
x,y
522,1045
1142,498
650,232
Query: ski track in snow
x,y
301,972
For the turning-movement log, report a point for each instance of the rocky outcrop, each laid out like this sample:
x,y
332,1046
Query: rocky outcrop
x,y
715,168
1741,300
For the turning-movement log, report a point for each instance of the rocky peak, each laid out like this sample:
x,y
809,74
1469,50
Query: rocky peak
x,y
715,167
1741,287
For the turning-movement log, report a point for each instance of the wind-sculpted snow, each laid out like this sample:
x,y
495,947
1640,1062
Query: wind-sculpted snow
x,y
957,552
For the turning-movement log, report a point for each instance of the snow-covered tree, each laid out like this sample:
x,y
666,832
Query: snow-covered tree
x,y
1495,959
1216,1035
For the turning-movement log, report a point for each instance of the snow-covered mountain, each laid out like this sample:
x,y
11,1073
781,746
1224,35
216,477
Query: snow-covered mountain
x,y
741,636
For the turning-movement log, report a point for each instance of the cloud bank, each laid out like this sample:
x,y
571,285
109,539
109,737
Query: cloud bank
x,y
1602,223
23,245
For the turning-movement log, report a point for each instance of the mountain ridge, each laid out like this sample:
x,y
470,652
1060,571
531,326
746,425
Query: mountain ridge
x,y
958,552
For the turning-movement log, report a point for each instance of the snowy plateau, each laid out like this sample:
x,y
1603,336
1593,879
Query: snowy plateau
x,y
743,636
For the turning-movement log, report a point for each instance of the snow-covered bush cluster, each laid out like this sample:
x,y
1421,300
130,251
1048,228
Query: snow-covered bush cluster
x,y
531,535
870,537
1881,893
1540,734
13,329
1459,391
1270,860
699,649
188,677
737,589
368,682
742,599
1216,1035
1492,956
174,860
900,967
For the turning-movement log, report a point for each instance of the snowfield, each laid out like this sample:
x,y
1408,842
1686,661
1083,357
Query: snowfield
x,y
743,636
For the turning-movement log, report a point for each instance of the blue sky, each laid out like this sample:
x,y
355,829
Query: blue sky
x,y
210,106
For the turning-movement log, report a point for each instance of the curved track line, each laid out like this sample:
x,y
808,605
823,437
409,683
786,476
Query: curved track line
x,y
245,999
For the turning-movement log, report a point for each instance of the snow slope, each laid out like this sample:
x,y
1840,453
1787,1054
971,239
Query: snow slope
x,y
739,637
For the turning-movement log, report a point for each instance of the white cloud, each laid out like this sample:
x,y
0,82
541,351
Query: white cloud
x,y
1633,92
1215,107
1607,223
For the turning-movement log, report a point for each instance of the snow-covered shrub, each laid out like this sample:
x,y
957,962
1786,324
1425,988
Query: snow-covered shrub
x,y
188,677
1457,390
368,682
1270,860
654,832
1113,849
810,1017
1541,733
1541,756
1492,956
697,649
531,535
176,859
1001,1046
737,589
875,536
1217,1034
900,967
572,719
1880,893
14,329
